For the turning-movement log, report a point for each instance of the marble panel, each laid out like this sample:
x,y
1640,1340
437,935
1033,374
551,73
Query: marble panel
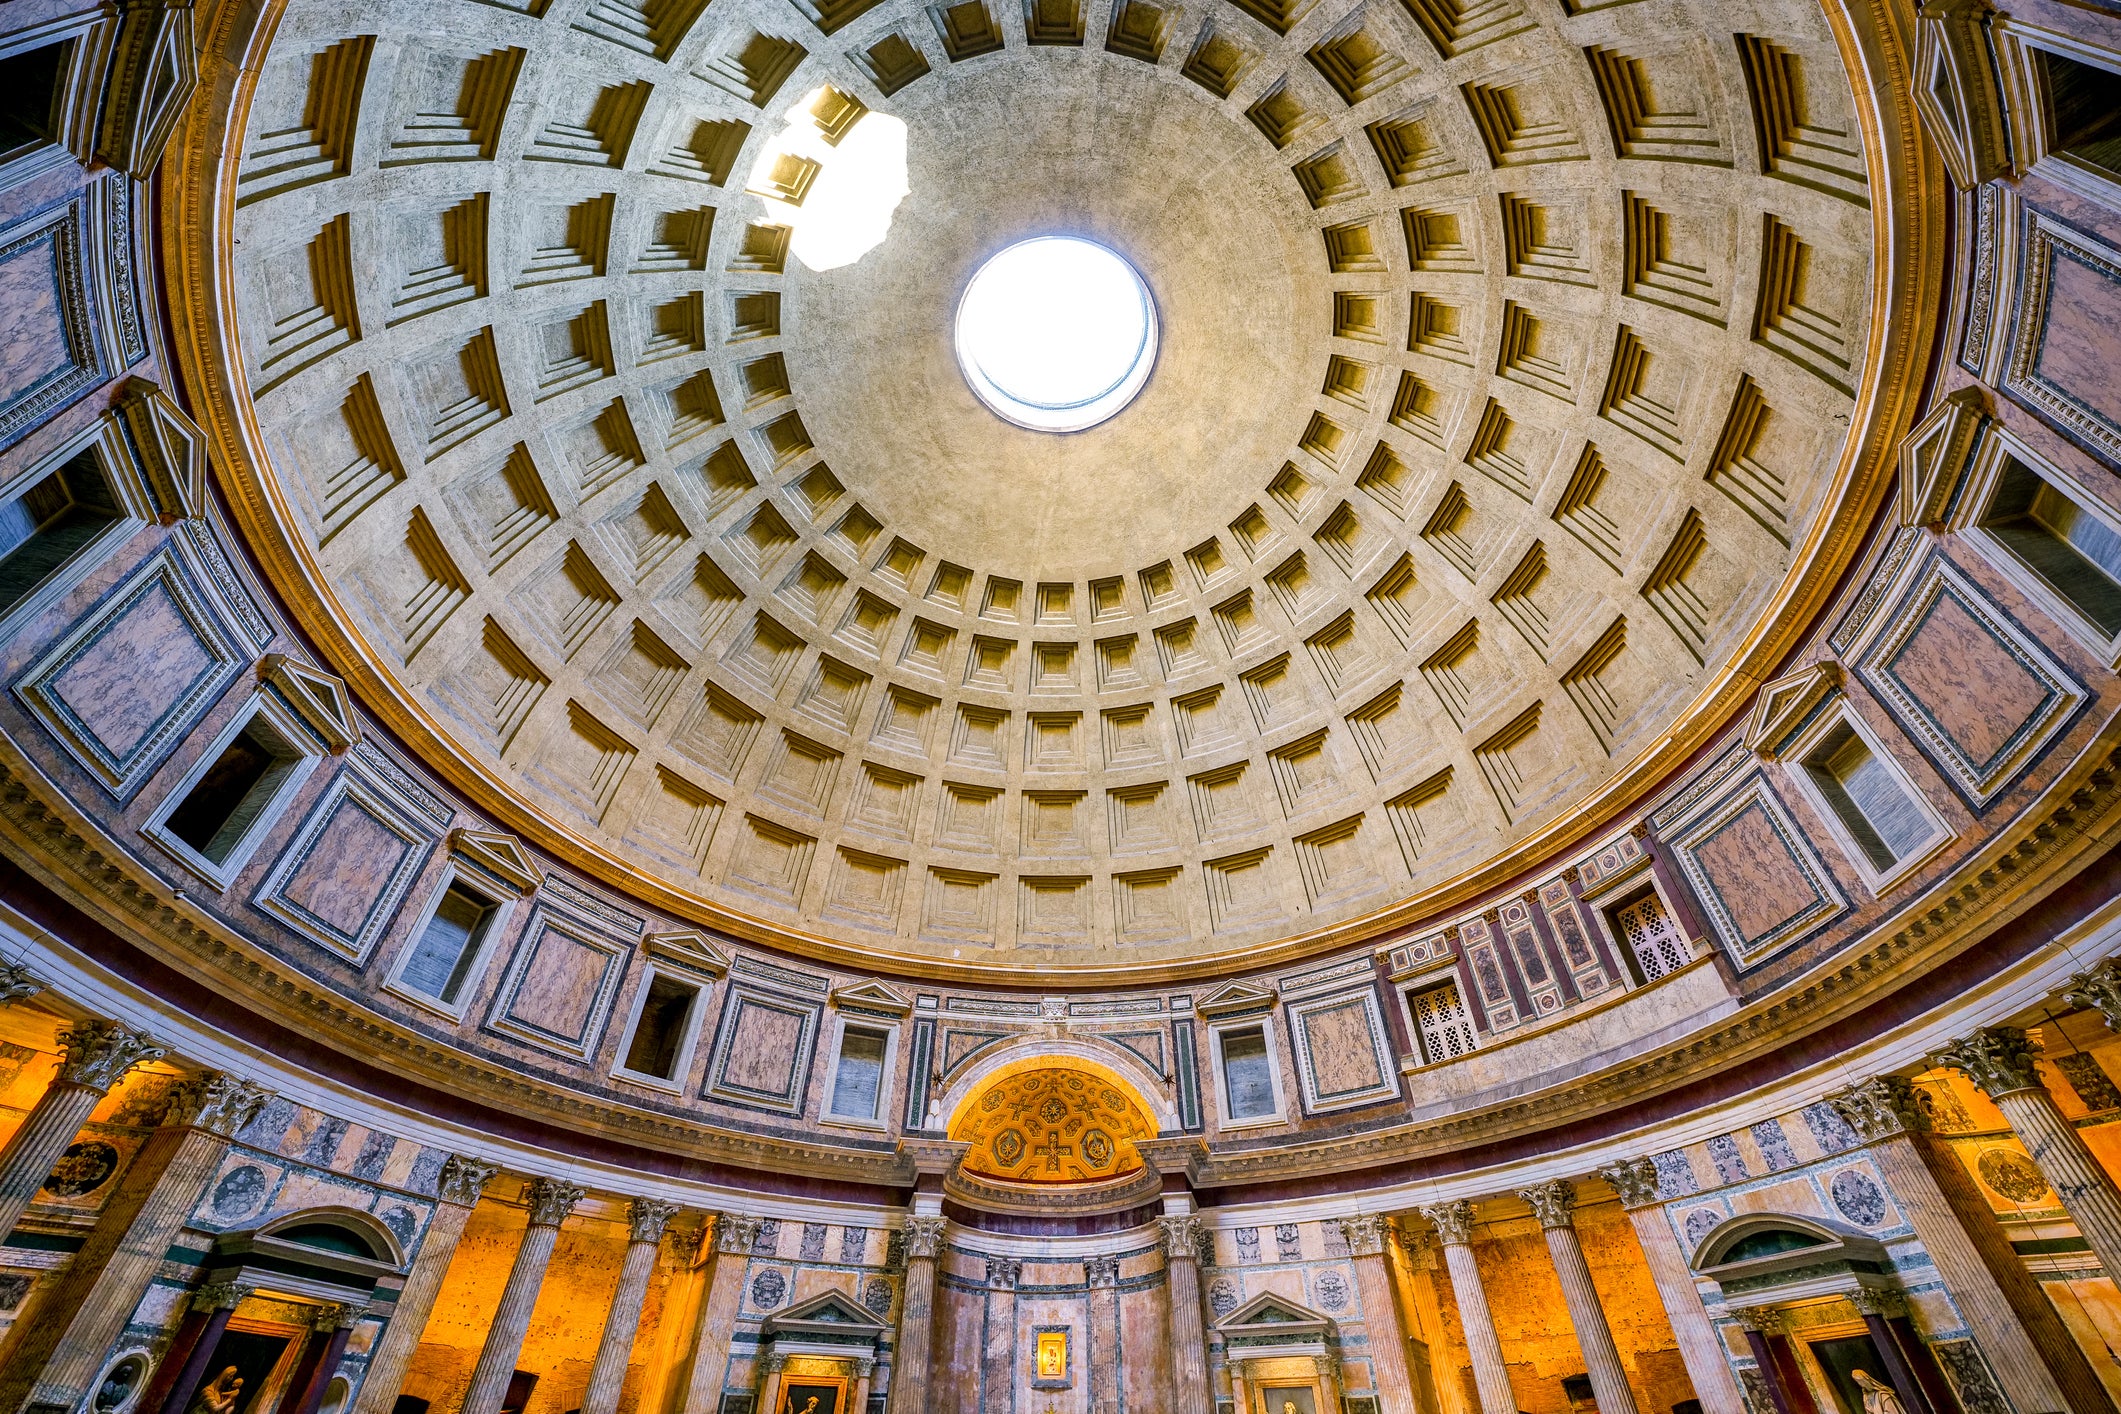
x,y
762,1050
1755,875
342,878
558,987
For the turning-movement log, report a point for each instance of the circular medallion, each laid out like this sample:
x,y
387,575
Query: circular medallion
x,y
82,1169
1858,1197
2011,1174
238,1193
768,1289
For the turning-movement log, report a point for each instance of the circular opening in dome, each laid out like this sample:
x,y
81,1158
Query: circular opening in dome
x,y
1056,333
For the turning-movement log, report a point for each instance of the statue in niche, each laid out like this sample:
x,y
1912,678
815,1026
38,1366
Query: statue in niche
x,y
220,1397
1877,1398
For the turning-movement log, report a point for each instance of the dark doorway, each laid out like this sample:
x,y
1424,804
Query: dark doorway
x,y
254,1354
1841,1358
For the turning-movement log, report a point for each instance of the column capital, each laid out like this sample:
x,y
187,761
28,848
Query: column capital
x,y
1883,1107
1366,1234
1877,1301
17,983
924,1236
647,1218
218,1296
463,1179
1998,1059
1101,1271
337,1316
551,1201
1454,1221
2098,988
1635,1180
1417,1242
773,1363
214,1101
1553,1202
734,1233
1180,1235
1765,1319
1003,1272
98,1053
864,1367
684,1244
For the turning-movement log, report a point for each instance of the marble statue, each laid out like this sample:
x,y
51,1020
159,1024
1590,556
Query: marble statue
x,y
1877,1398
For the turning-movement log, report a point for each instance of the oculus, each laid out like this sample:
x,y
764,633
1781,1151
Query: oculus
x,y
1056,333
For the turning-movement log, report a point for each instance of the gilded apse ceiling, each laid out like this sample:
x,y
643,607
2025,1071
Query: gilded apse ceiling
x,y
1508,354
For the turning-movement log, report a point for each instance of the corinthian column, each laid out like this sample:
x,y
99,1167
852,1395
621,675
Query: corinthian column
x,y
1367,1237
916,1317
456,1194
94,1055
550,1203
2000,1059
1454,1226
51,1360
1700,1348
2039,1363
1554,1204
733,1235
1181,1235
607,1373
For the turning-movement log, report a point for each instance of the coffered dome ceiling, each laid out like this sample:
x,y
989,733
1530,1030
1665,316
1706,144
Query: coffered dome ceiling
x,y
1508,356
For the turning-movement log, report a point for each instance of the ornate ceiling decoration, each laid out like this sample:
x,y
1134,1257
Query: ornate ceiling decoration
x,y
1054,1125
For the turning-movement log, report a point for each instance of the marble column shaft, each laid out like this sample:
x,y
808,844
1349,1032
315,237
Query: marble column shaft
x,y
52,1360
94,1056
1190,1393
1454,1224
550,1202
1554,1203
916,1317
1423,1257
1701,1349
733,1236
607,1372
324,1350
456,1194
1368,1237
178,1378
2040,1364
1770,1371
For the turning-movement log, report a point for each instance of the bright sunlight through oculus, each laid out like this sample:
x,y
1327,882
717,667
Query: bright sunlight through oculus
x,y
1056,333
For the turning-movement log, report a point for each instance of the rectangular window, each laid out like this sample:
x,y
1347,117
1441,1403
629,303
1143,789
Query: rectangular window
x,y
230,798
2083,112
1441,1026
1868,797
44,524
29,98
666,1015
442,957
1248,1073
1652,936
2074,552
858,1080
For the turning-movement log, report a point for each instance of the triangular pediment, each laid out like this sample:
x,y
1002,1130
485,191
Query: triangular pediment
x,y
499,855
1787,703
1235,998
172,450
831,1308
871,996
1271,1313
1935,454
320,699
685,948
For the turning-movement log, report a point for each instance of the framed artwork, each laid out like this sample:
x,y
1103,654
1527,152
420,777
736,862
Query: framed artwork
x,y
1289,1399
1052,1358
810,1395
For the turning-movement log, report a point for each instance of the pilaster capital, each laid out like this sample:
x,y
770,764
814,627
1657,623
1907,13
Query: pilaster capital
x,y
97,1054
1454,1221
734,1233
1366,1234
684,1244
17,983
1765,1319
1552,1202
463,1179
1180,1235
1883,1107
773,1363
1325,1367
1003,1272
214,1101
2098,988
337,1316
647,1217
1635,1180
924,1236
218,1296
864,1367
1101,1271
1998,1059
551,1201
1877,1301
1417,1242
